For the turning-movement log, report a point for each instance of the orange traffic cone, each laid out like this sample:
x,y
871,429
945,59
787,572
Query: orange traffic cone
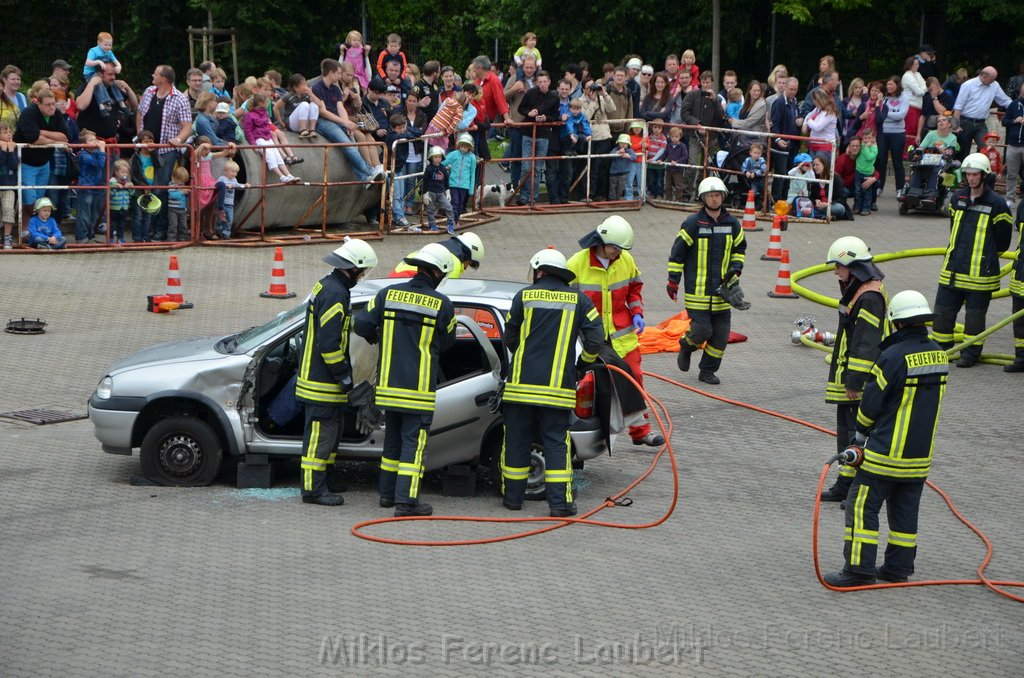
x,y
749,217
783,290
278,281
774,252
174,281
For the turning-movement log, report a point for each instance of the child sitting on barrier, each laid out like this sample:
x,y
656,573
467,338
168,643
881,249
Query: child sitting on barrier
x,y
218,78
177,207
258,132
353,51
120,200
43,231
435,190
227,184
462,182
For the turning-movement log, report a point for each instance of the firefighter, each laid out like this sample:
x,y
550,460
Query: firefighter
x,y
467,251
895,437
606,272
708,254
862,326
540,392
413,323
980,228
325,370
1017,295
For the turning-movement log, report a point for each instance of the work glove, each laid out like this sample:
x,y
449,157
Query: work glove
x,y
361,394
427,199
732,293
860,439
638,323
448,195
673,290
494,402
369,418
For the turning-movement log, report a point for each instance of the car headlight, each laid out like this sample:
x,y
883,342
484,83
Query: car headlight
x,y
105,388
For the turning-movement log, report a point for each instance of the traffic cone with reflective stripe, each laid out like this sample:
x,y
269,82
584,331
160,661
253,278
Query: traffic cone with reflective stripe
x,y
174,281
783,289
278,281
774,252
749,216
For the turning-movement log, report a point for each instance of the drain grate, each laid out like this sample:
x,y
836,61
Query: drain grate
x,y
42,417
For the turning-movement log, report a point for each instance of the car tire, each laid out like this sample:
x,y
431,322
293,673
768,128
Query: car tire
x,y
181,451
535,489
904,209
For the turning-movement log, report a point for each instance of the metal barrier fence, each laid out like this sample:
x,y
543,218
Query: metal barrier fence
x,y
306,226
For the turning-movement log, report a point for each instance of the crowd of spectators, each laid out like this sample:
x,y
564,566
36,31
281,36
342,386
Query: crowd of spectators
x,y
591,128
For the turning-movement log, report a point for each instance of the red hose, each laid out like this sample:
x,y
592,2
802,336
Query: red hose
x,y
665,424
981,580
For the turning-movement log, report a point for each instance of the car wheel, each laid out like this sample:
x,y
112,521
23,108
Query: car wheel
x,y
181,452
535,490
904,209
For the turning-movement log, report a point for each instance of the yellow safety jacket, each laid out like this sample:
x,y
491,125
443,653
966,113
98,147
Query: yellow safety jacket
x,y
325,372
616,293
414,324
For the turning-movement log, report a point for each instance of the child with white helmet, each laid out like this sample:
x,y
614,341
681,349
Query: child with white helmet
x,y
436,190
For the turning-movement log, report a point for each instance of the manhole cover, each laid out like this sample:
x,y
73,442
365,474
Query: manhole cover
x,y
25,326
42,417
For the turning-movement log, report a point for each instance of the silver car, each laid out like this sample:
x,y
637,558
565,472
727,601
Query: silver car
x,y
188,405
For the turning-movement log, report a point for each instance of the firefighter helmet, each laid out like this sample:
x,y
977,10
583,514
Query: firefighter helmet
x,y
847,250
711,185
616,231
552,261
976,162
909,305
354,253
475,245
433,254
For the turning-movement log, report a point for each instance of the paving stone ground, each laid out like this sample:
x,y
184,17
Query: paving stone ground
x,y
103,578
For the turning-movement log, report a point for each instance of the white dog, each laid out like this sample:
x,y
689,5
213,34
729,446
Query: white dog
x,y
502,192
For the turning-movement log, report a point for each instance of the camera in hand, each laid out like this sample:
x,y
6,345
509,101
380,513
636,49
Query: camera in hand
x,y
595,87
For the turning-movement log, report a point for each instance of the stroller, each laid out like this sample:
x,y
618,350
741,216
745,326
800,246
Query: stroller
x,y
933,176
737,184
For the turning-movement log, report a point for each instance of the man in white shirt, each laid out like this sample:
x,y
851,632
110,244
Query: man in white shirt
x,y
972,106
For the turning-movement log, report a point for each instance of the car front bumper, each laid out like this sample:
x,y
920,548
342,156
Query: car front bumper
x,y
113,420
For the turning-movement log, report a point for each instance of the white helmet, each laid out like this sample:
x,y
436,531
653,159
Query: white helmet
x,y
847,250
552,261
711,185
616,231
976,162
354,253
465,139
433,254
435,150
475,246
909,305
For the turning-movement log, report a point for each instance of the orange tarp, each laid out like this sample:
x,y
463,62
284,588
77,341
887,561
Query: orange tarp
x,y
664,337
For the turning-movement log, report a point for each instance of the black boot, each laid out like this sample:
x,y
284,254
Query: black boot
x,y
403,510
325,499
336,484
844,579
387,502
967,359
683,359
565,512
1015,366
838,491
887,576
708,377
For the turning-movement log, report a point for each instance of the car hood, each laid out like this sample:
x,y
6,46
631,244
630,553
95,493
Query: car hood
x,y
197,348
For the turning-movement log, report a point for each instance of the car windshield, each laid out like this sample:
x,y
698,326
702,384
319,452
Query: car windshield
x,y
245,341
